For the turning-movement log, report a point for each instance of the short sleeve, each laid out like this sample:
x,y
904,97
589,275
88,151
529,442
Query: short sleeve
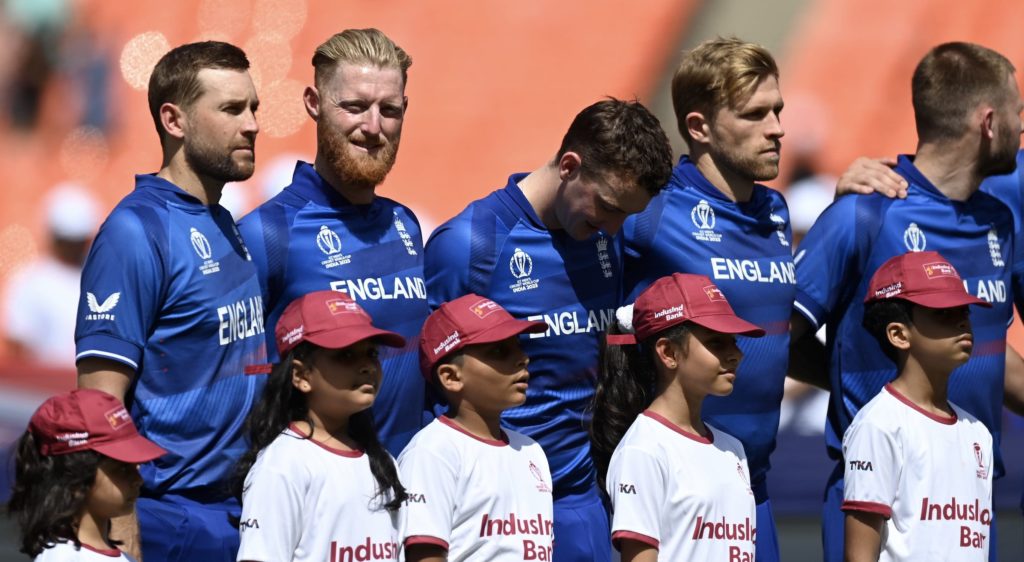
x,y
827,259
122,288
874,462
636,486
446,262
431,482
271,523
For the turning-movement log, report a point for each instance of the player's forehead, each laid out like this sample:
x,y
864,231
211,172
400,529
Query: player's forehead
x,y
620,190
218,85
365,81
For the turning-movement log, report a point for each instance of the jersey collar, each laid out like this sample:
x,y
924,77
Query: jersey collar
x,y
311,186
526,210
686,174
167,190
906,168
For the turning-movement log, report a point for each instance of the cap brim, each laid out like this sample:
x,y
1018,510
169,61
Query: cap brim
x,y
337,339
133,450
948,299
728,324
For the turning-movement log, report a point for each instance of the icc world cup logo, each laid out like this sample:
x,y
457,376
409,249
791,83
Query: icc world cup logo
x,y
200,244
914,238
977,455
328,242
703,216
521,264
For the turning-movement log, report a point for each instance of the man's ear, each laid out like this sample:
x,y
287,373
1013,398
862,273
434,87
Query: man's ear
x,y
173,120
311,99
698,127
569,165
450,377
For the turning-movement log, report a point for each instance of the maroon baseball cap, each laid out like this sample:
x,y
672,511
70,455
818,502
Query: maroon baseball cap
x,y
923,278
467,320
329,319
90,419
684,297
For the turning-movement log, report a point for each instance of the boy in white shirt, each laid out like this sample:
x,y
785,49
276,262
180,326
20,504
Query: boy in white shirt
x,y
918,468
476,491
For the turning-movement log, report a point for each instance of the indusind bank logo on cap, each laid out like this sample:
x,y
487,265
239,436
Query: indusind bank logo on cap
x,y
713,293
117,417
484,308
451,341
670,313
338,306
939,269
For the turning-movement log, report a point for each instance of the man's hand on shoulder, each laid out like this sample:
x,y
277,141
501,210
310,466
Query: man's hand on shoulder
x,y
872,175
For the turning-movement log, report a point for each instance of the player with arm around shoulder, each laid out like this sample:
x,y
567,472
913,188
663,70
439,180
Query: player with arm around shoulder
x,y
918,467
477,491
318,484
679,488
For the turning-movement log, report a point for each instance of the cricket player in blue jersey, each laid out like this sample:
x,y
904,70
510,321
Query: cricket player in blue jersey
x,y
713,219
330,230
542,248
171,314
967,111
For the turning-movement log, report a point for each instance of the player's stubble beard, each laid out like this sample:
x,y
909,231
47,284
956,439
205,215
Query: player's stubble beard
x,y
752,168
360,170
217,163
1002,158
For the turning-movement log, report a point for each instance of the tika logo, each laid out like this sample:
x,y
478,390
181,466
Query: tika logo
x,y
543,486
251,523
200,244
914,238
101,311
713,293
485,308
981,472
521,264
118,417
416,498
338,306
861,465
939,269
627,489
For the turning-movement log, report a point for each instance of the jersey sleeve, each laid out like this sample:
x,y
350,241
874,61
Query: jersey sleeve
x,y
431,481
446,262
636,486
271,522
873,464
123,287
827,259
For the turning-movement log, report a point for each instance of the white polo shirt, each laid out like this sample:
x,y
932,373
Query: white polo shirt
x,y
306,502
66,551
480,499
930,476
684,494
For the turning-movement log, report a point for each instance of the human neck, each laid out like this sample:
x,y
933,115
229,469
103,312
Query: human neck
x,y
674,405
541,188
927,388
944,165
736,188
332,433
93,531
175,170
485,425
353,192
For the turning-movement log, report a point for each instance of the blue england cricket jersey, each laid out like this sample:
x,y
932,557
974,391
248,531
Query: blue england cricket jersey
x,y
692,227
169,289
498,247
858,233
310,238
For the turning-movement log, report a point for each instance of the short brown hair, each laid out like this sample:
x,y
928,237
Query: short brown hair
x,y
950,82
718,73
175,78
358,46
621,138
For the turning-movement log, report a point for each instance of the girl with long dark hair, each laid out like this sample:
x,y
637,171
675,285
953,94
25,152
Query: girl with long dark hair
x,y
318,484
679,488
